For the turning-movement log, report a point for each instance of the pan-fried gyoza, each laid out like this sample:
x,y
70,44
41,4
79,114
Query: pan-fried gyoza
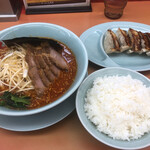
x,y
131,41
34,72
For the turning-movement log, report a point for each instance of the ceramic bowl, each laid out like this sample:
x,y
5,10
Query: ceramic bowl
x,y
90,127
60,34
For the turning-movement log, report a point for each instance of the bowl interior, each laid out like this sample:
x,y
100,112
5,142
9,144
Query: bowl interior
x,y
58,33
90,127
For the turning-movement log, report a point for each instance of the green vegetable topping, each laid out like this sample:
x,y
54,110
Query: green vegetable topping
x,y
12,100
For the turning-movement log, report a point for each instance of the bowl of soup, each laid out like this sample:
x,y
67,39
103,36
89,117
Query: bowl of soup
x,y
41,65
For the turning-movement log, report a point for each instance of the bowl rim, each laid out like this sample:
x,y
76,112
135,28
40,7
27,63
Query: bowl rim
x,y
81,117
65,95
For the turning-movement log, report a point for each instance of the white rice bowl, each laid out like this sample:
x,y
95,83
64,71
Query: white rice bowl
x,y
119,106
135,134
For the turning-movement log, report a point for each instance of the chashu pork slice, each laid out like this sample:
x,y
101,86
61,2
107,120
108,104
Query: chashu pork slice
x,y
39,71
124,40
54,56
44,62
55,70
34,74
44,71
111,43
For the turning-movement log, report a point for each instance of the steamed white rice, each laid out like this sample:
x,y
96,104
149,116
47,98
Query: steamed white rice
x,y
119,106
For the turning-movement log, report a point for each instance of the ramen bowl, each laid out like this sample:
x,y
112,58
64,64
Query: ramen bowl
x,y
57,33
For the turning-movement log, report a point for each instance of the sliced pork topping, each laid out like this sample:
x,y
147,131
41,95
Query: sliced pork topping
x,y
55,70
54,56
44,78
57,59
41,62
48,63
34,74
45,71
51,77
